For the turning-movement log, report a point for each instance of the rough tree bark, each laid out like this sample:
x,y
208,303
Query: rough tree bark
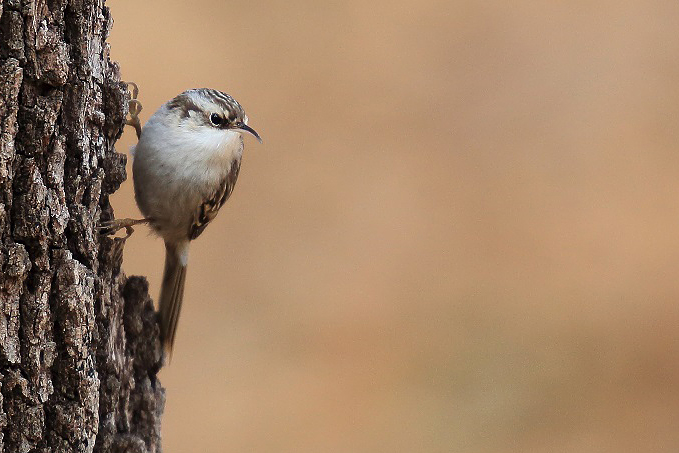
x,y
79,345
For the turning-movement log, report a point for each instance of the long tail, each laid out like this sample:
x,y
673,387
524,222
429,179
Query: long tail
x,y
172,291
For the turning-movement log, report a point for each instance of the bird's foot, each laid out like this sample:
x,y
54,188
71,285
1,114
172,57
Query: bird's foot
x,y
111,227
134,107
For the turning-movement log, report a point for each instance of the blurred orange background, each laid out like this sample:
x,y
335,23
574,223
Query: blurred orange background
x,y
461,233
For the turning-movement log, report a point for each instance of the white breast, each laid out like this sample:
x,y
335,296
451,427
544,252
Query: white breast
x,y
176,168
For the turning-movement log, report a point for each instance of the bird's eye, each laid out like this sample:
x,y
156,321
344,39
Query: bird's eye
x,y
216,119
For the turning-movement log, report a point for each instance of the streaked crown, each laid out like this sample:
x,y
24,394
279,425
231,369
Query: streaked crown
x,y
208,107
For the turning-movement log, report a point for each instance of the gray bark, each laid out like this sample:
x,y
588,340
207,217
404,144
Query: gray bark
x,y
79,346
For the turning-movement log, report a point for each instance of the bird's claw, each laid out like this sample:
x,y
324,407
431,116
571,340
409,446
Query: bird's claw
x,y
134,107
135,89
111,227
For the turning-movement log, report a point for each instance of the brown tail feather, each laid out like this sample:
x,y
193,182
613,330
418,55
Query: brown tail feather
x,y
172,292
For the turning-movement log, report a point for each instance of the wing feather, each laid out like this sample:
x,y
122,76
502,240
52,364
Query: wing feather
x,y
210,207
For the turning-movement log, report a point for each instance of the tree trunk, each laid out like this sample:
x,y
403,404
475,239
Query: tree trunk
x,y
79,345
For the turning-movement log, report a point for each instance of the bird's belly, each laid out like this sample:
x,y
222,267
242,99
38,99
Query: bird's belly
x,y
170,195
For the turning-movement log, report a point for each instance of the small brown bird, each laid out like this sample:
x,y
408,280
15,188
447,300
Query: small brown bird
x,y
185,168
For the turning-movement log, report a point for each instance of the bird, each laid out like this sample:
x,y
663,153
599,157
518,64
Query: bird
x,y
185,166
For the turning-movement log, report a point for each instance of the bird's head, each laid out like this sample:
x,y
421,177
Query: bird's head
x,y
206,110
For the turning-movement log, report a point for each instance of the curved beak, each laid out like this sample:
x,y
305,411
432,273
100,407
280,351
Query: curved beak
x,y
246,128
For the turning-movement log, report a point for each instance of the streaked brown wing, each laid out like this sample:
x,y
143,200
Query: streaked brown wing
x,y
210,207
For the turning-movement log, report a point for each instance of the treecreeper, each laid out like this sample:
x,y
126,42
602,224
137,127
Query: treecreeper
x,y
185,166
